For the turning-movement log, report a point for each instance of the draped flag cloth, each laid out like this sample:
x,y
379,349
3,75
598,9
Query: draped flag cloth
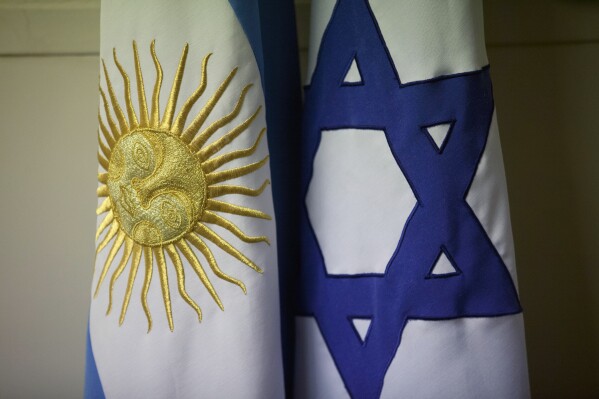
x,y
407,279
248,247
198,116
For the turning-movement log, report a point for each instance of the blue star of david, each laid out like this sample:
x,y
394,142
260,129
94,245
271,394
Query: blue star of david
x,y
441,219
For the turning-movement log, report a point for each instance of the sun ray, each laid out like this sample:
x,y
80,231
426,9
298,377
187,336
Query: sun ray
x,y
120,116
201,245
113,128
155,116
177,127
127,88
216,146
229,174
102,191
220,190
142,151
225,246
132,274
141,91
105,149
105,206
146,287
160,261
201,138
197,267
196,124
103,177
169,112
176,259
111,233
210,217
103,161
215,163
113,251
105,222
119,270
109,139
220,206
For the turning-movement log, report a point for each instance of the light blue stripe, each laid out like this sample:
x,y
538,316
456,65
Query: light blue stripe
x,y
93,386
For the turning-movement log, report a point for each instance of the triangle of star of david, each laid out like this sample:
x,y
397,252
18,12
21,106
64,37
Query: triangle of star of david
x,y
362,327
353,75
439,134
443,266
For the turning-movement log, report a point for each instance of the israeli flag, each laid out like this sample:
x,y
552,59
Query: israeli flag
x,y
408,280
194,130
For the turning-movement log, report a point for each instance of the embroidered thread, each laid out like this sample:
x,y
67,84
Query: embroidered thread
x,y
160,181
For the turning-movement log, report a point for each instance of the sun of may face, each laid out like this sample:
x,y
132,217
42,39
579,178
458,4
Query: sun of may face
x,y
157,185
160,182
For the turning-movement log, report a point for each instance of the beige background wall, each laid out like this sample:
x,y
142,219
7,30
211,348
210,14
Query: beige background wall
x,y
545,64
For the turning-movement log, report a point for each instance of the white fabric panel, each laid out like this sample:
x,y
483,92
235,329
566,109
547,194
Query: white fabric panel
x,y
432,37
425,38
439,133
316,375
231,354
461,358
358,201
362,326
443,266
489,201
353,74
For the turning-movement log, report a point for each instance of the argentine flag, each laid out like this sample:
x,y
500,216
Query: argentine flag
x,y
198,109
407,279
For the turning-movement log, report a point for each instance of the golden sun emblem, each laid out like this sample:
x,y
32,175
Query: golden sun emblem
x,y
160,182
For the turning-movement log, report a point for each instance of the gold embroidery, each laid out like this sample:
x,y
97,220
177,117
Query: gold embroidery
x,y
146,287
160,179
132,274
217,191
160,193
